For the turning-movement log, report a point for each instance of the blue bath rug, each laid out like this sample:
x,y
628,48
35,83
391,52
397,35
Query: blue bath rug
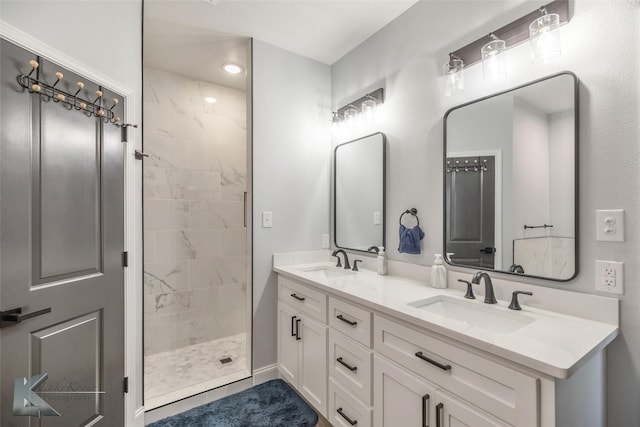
x,y
270,404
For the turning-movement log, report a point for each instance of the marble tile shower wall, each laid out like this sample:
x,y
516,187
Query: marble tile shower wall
x,y
195,239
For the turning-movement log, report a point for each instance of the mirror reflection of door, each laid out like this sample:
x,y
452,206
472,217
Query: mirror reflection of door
x,y
470,222
62,222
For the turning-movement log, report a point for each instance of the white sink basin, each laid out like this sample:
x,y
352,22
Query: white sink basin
x,y
474,315
327,272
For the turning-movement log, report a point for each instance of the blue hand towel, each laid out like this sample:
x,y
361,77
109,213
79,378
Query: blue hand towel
x,y
410,239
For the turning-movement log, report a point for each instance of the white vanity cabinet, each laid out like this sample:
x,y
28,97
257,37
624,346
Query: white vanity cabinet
x,y
302,341
372,363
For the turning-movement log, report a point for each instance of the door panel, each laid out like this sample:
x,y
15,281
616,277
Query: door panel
x,y
287,343
401,398
62,222
313,362
82,373
454,412
471,211
61,140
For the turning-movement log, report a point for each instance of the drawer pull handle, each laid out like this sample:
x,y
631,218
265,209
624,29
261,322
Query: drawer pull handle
x,y
293,318
298,337
298,298
350,322
343,415
346,365
425,403
433,362
439,408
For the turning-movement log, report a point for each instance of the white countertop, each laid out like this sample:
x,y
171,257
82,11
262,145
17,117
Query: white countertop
x,y
553,343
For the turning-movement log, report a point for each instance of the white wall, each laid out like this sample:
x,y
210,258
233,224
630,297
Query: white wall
x,y
106,40
407,56
291,162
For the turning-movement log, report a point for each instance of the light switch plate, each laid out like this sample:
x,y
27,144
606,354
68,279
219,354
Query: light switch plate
x,y
377,218
610,225
267,220
325,241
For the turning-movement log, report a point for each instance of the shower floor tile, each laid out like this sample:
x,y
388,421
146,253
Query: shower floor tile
x,y
186,367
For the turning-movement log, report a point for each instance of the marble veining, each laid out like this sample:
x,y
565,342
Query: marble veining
x,y
195,273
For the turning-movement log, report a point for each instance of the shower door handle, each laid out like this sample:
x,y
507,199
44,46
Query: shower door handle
x,y
244,197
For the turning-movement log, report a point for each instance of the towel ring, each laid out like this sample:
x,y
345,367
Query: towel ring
x,y
413,212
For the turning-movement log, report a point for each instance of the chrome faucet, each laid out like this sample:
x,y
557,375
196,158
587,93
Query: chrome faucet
x,y
489,296
335,253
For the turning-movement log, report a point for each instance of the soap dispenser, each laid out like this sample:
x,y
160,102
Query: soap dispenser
x,y
438,273
382,262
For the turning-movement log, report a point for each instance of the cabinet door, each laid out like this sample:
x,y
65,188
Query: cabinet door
x,y
287,343
454,412
312,362
400,397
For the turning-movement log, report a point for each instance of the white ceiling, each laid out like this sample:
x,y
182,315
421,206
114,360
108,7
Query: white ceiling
x,y
193,37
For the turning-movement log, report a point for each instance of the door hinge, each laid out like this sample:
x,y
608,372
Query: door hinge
x,y
125,259
125,385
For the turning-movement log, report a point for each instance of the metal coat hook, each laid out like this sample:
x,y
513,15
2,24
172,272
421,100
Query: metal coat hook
x,y
71,101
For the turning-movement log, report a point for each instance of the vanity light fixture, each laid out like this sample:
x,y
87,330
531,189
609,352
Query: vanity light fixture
x,y
232,68
494,64
540,26
364,106
453,75
545,37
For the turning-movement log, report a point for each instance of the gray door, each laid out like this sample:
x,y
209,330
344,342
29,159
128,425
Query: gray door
x,y
61,243
470,222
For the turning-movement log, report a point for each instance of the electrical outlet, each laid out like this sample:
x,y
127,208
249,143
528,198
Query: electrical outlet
x,y
609,277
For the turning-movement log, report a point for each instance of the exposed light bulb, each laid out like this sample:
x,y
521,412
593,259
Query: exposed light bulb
x,y
453,75
368,109
544,35
494,64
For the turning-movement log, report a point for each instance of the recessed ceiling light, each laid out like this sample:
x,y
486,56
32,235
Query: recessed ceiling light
x,y
210,100
232,68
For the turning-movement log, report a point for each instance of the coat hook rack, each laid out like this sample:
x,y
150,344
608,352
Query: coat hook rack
x,y
33,85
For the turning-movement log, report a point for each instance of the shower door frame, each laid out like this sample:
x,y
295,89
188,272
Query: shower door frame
x,y
248,220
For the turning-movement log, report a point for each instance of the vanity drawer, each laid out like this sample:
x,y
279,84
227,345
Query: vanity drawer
x,y
350,365
353,321
501,391
303,298
345,410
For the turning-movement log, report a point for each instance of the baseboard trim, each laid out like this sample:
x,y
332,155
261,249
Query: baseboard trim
x,y
266,373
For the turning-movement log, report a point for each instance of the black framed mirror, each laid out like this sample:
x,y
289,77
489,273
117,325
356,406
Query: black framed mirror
x,y
359,193
511,180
